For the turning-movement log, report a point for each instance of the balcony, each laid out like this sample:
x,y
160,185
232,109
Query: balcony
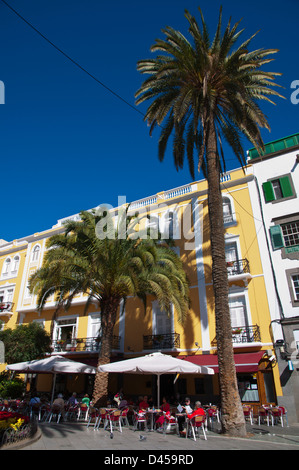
x,y
6,308
244,334
92,344
163,341
238,270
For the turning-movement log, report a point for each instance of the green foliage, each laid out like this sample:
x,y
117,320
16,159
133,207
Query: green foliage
x,y
200,83
25,342
10,388
108,264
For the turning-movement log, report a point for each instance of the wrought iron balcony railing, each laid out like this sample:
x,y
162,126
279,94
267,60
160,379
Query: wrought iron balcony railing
x,y
92,344
6,308
240,266
244,334
163,341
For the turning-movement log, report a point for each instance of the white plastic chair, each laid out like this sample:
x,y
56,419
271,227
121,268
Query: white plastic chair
x,y
196,423
113,419
55,411
263,413
93,414
139,418
170,422
103,416
212,415
82,412
248,413
124,417
284,414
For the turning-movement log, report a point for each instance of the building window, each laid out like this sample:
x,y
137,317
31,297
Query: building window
x,y
238,311
290,233
285,235
229,217
10,267
278,189
162,322
227,210
65,330
35,253
6,295
15,265
248,388
169,226
295,284
296,338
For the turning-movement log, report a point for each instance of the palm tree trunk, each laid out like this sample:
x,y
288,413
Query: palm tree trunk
x,y
108,317
232,417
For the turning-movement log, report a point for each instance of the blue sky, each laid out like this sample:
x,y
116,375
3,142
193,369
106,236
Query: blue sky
x,y
67,144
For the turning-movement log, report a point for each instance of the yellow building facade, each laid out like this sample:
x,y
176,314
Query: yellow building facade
x,y
183,214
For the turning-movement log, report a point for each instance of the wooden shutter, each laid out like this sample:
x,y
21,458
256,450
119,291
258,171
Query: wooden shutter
x,y
276,237
286,187
268,191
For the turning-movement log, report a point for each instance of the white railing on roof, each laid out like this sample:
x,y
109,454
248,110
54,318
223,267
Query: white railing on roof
x,y
143,202
147,201
75,217
178,191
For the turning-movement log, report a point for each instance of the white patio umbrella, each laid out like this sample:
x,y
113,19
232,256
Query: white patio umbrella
x,y
156,364
52,365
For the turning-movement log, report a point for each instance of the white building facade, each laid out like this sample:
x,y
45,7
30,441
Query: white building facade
x,y
274,193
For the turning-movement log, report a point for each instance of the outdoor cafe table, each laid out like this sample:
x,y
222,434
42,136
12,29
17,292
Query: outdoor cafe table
x,y
152,412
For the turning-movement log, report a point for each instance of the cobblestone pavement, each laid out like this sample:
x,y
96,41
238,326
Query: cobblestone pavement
x,y
76,436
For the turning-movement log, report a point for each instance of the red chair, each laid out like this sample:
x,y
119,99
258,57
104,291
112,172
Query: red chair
x,y
115,418
71,412
212,415
82,411
170,421
276,415
196,423
284,414
248,413
263,413
93,414
36,410
140,418
103,416
55,411
124,416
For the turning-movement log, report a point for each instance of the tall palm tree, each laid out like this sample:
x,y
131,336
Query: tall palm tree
x,y
108,264
205,92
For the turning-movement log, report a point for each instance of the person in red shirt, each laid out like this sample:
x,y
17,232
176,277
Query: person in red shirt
x,y
199,411
143,405
166,408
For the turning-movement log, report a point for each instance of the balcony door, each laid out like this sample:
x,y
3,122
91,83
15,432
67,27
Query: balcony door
x,y
162,323
65,330
238,311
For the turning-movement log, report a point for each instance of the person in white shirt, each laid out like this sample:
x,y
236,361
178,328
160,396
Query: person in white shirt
x,y
187,406
181,419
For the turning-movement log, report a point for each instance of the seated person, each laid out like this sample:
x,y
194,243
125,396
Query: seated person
x,y
199,411
86,400
123,403
166,408
35,400
59,402
73,400
143,405
188,410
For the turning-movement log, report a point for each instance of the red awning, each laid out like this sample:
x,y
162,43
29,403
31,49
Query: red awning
x,y
245,362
